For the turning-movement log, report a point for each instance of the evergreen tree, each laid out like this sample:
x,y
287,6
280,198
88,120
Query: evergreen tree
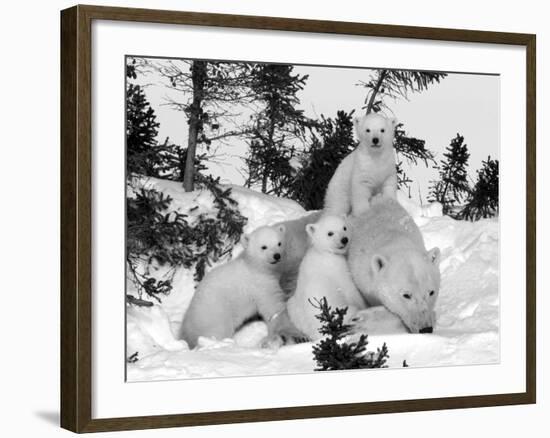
x,y
333,353
410,150
142,153
208,94
452,186
394,84
483,199
155,232
331,141
275,128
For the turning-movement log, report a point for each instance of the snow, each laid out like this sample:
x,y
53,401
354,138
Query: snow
x,y
467,330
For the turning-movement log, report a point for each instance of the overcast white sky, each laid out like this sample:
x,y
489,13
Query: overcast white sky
x,y
461,103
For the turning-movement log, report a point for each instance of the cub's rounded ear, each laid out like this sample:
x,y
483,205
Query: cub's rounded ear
x,y
434,255
378,262
245,240
281,228
394,122
310,229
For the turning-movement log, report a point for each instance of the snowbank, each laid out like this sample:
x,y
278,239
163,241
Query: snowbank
x,y
467,331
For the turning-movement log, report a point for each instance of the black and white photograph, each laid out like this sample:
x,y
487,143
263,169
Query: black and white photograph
x,y
287,218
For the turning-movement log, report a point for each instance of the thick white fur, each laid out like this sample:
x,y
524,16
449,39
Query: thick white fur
x,y
238,290
324,273
390,265
368,170
296,245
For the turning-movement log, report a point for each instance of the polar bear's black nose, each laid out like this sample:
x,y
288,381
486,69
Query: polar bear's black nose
x,y
427,330
375,140
276,256
344,240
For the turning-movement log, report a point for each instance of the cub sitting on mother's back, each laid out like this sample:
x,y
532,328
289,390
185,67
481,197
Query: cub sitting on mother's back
x,y
324,273
391,267
238,290
368,170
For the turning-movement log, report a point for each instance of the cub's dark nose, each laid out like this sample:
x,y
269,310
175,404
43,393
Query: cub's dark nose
x,y
344,240
277,256
375,140
427,330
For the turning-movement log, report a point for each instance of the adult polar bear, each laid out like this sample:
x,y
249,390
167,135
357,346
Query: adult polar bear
x,y
391,266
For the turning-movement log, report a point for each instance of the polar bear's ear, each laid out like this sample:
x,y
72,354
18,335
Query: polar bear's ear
x,y
245,240
378,263
394,122
310,229
434,255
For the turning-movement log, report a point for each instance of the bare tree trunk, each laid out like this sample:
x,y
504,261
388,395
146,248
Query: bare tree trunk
x,y
264,181
198,76
375,90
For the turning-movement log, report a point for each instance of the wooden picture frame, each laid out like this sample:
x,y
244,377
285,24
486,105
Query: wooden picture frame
x,y
76,217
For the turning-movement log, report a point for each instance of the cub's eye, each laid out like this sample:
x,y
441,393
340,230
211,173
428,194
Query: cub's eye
x,y
407,296
279,244
330,233
368,130
432,292
345,229
264,247
382,130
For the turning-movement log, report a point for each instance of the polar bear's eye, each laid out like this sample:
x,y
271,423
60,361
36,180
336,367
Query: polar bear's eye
x,y
330,233
368,130
264,247
279,244
407,296
382,130
432,292
345,229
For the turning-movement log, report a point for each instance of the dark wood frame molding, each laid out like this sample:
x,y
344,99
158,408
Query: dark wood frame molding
x,y
76,192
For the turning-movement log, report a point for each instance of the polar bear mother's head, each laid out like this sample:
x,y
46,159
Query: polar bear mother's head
x,y
408,285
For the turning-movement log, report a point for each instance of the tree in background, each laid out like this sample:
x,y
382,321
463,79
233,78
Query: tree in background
x,y
142,151
394,84
274,128
482,201
331,141
410,150
452,186
155,231
209,92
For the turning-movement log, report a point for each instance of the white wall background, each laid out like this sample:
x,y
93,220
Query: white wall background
x,y
29,219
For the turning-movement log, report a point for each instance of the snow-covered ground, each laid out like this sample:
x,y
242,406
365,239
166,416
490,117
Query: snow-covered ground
x,y
467,330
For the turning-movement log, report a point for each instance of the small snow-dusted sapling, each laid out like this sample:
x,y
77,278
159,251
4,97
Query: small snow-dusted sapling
x,y
324,273
333,353
368,170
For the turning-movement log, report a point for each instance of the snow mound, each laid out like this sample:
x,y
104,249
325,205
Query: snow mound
x,y
420,213
467,331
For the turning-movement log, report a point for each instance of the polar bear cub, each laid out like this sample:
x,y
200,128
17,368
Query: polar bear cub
x,y
238,290
324,272
368,170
